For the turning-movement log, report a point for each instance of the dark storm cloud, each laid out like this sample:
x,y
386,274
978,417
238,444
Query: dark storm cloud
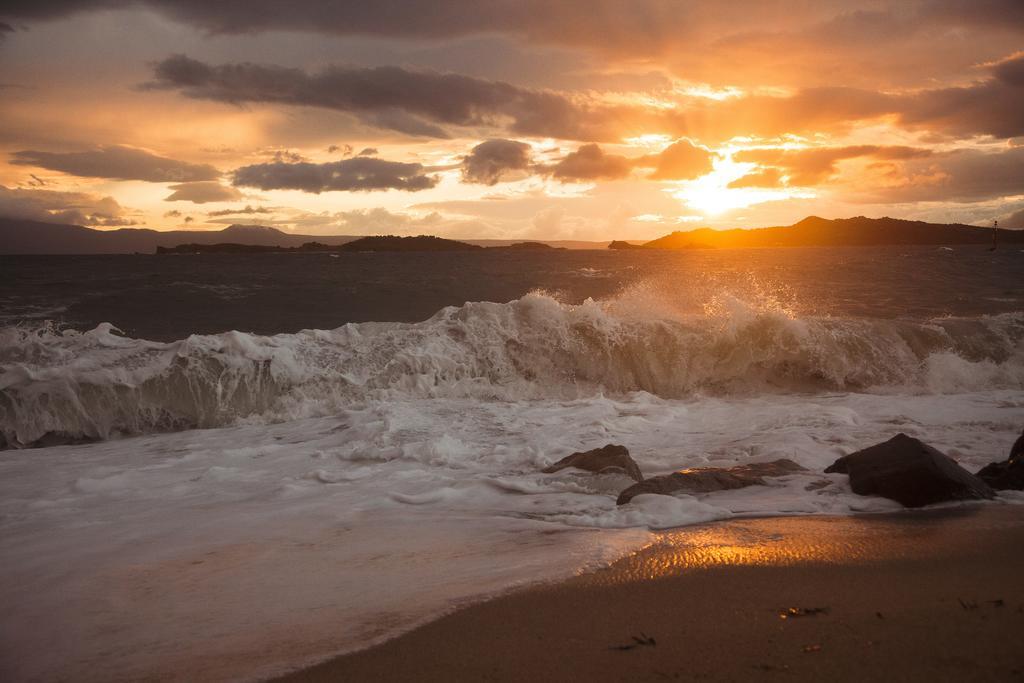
x,y
348,175
413,102
116,162
202,193
610,24
50,206
1011,69
489,161
541,19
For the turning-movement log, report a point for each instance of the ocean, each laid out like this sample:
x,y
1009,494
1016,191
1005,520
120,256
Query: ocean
x,y
227,465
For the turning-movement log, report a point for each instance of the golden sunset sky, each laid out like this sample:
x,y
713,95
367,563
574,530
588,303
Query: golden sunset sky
x,y
518,119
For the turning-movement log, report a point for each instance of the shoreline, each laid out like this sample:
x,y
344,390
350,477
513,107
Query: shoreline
x,y
918,594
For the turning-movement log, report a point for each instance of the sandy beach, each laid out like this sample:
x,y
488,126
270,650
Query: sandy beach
x,y
932,595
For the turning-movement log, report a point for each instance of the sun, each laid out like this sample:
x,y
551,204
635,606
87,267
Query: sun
x,y
711,195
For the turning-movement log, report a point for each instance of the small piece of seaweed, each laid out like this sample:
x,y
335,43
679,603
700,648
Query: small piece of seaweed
x,y
642,640
794,612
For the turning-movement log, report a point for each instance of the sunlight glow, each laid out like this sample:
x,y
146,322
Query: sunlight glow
x,y
708,92
651,141
712,195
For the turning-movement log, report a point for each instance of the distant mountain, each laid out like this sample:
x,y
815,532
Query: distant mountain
x,y
818,232
33,237
378,243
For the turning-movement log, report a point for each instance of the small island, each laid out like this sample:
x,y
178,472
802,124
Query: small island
x,y
529,246
375,243
363,244
621,244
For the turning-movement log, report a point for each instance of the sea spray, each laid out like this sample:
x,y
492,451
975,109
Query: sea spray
x,y
67,385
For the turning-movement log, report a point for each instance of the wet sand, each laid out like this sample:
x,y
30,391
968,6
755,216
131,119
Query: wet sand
x,y
936,595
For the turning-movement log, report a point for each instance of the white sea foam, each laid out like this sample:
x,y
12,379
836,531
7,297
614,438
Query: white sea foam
x,y
94,385
148,556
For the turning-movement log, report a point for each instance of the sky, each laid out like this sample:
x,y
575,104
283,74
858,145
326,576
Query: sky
x,y
511,119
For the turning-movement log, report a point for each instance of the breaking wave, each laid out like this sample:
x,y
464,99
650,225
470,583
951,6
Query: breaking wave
x,y
59,386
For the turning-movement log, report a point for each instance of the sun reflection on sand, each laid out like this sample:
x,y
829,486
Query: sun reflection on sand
x,y
780,541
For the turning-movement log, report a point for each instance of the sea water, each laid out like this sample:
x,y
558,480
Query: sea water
x,y
222,466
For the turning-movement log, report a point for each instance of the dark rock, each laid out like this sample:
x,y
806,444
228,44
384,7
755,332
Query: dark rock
x,y
1008,474
1004,475
910,472
1017,450
708,479
600,460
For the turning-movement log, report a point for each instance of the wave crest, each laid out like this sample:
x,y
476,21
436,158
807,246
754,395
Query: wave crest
x,y
65,385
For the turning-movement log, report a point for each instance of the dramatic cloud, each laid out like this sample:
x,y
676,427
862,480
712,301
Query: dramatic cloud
x,y
413,102
562,90
590,162
202,193
642,26
348,175
1011,69
117,162
990,107
1014,220
247,211
61,207
960,176
430,103
381,221
489,161
816,165
682,160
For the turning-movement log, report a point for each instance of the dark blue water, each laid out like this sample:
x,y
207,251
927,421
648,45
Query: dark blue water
x,y
169,297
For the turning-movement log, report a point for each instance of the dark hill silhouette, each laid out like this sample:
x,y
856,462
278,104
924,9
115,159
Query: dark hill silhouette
x,y
527,246
418,243
377,243
821,232
34,237
18,236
